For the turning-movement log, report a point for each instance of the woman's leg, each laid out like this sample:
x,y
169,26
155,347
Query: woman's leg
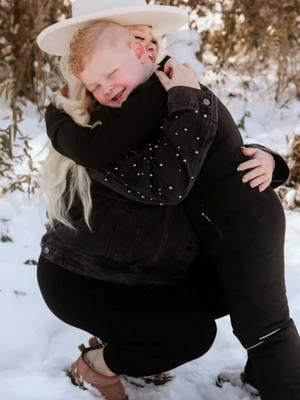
x,y
148,330
204,283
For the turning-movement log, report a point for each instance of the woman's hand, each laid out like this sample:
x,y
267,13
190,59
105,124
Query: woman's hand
x,y
176,74
64,90
261,168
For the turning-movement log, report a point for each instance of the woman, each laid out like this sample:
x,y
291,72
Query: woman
x,y
129,286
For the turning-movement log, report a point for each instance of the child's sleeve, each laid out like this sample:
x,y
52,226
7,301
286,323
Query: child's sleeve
x,y
108,140
115,132
164,172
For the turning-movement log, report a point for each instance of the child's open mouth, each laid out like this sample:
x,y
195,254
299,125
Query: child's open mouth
x,y
118,96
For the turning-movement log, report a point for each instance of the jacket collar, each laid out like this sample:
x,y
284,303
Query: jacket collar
x,y
162,63
160,67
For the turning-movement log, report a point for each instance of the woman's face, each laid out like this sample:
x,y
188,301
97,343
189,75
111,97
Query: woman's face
x,y
115,68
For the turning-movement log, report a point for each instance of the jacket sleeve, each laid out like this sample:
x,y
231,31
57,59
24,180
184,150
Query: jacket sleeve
x,y
115,131
163,172
281,171
109,139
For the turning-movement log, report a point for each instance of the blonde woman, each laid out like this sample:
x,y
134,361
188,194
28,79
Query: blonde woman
x,y
130,262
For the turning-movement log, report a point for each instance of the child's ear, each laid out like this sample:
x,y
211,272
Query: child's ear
x,y
139,49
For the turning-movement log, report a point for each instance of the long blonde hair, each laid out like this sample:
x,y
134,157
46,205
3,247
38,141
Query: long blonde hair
x,y
60,177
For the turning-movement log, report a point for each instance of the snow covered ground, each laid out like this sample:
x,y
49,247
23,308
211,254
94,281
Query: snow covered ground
x,y
35,346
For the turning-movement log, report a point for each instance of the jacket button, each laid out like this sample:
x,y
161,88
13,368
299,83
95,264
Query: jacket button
x,y
46,250
206,102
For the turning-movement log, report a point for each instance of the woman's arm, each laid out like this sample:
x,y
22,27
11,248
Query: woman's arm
x,y
281,170
187,136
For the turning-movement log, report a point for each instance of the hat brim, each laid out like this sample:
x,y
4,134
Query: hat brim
x,y
55,39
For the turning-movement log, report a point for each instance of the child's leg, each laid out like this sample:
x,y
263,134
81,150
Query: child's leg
x,y
148,330
250,259
275,367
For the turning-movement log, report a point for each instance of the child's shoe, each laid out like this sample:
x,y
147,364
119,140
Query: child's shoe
x,y
236,378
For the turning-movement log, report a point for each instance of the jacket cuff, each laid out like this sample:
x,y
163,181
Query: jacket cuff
x,y
182,98
281,171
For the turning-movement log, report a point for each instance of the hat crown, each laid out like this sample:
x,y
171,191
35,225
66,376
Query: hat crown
x,y
84,7
55,39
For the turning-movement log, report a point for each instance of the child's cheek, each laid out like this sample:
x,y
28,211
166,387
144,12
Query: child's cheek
x,y
100,98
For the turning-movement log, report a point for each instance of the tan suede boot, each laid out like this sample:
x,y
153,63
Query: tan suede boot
x,y
82,374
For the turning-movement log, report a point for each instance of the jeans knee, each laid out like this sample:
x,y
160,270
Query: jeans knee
x,y
202,342
254,339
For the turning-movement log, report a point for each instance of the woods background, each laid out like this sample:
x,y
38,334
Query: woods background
x,y
249,36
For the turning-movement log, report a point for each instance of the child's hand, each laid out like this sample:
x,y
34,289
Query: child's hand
x,y
176,74
261,168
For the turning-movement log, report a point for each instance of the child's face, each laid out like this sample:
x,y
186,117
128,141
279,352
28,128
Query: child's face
x,y
114,67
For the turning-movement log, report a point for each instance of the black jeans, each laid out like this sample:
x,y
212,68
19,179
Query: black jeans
x,y
154,329
148,329
250,266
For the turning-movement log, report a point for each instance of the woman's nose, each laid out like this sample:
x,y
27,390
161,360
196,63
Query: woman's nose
x,y
151,50
151,46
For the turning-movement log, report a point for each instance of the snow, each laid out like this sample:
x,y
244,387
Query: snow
x,y
36,347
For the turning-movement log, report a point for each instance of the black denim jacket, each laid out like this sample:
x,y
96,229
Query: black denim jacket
x,y
134,243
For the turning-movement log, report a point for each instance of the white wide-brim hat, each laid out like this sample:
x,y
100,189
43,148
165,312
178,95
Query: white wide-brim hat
x,y
55,39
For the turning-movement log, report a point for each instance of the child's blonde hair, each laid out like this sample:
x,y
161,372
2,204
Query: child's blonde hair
x,y
56,168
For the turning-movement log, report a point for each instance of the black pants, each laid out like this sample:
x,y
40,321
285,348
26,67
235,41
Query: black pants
x,y
148,329
155,329
249,258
